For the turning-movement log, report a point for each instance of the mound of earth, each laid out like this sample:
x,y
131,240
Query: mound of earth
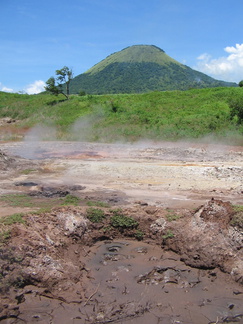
x,y
206,240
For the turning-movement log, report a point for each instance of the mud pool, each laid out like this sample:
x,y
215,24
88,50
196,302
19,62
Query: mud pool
x,y
154,286
134,282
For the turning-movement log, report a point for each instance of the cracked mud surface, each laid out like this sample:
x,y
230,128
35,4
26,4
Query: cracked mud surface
x,y
59,267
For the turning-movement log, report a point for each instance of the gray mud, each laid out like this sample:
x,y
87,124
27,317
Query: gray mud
x,y
134,282
156,287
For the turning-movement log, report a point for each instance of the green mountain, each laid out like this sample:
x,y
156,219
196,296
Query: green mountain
x,y
139,69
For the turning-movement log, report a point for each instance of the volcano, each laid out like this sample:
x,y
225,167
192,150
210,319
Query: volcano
x,y
139,69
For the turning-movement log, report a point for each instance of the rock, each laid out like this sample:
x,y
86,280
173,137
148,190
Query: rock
x,y
73,223
158,226
237,271
7,120
55,191
26,184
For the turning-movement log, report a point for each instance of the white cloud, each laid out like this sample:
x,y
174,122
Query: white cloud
x,y
36,87
5,89
228,68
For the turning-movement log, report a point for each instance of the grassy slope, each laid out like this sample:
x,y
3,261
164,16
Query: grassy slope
x,y
138,54
168,115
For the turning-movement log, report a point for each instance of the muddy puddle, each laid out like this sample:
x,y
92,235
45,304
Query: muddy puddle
x,y
138,283
154,286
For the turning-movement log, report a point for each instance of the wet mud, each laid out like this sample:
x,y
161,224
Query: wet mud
x,y
144,278
135,282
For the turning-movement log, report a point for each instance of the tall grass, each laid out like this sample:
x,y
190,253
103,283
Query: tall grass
x,y
168,115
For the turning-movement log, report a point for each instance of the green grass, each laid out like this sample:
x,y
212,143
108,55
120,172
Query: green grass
x,y
71,200
171,216
12,219
28,171
238,208
43,204
169,234
97,203
4,236
237,219
17,200
42,210
168,115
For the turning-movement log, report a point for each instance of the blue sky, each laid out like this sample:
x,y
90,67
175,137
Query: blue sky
x,y
38,37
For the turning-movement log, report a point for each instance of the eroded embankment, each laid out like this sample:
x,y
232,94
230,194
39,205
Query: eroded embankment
x,y
135,265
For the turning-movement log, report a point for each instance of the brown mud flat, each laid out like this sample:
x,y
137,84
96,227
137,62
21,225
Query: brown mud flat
x,y
183,263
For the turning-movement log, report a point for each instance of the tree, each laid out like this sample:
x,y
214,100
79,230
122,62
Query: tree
x,y
51,86
241,83
65,75
55,86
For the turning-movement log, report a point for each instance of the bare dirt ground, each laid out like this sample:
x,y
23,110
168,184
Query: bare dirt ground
x,y
165,174
183,263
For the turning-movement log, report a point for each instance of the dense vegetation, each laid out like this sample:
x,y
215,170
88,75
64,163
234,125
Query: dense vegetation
x,y
170,115
142,77
139,69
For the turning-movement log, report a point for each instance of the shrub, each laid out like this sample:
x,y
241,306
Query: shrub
x,y
122,221
95,215
241,83
82,93
139,235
